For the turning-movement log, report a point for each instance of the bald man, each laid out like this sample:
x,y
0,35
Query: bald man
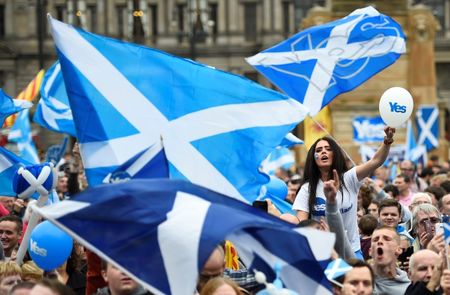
x,y
424,272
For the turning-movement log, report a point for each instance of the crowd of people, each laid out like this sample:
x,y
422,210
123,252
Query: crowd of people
x,y
388,226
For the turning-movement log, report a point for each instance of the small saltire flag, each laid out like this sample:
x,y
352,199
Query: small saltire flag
x,y
20,133
411,143
281,157
446,226
28,94
53,111
319,63
337,268
427,122
136,226
214,128
9,106
9,164
56,152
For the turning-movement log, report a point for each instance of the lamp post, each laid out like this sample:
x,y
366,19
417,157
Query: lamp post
x,y
40,26
198,17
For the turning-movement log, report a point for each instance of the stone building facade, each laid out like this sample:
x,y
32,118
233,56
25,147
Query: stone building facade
x,y
222,33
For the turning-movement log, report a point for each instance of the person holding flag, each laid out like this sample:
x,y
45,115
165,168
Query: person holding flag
x,y
324,157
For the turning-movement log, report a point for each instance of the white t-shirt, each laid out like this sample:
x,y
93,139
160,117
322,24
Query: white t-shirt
x,y
347,204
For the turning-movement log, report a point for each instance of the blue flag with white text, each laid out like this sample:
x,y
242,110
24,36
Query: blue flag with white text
x,y
9,106
427,122
319,63
213,128
140,226
20,133
53,110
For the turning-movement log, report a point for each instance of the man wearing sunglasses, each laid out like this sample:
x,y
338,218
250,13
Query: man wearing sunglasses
x,y
425,218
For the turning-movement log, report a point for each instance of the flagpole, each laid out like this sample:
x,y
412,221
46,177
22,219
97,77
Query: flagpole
x,y
326,131
34,220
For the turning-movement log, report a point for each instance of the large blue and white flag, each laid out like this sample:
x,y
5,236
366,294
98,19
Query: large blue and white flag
x,y
319,63
9,106
140,226
214,128
427,122
53,110
20,133
9,164
368,129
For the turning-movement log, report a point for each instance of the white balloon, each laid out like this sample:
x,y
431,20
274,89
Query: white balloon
x,y
396,106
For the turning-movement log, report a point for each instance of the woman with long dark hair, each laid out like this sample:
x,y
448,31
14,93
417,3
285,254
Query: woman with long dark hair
x,y
324,157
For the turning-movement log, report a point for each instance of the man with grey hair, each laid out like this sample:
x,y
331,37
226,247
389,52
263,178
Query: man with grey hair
x,y
444,204
424,220
424,272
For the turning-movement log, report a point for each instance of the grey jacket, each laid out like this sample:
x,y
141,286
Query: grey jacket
x,y
395,286
139,291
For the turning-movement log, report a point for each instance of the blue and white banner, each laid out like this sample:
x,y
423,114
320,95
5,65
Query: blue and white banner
x,y
368,129
140,226
53,110
20,133
214,128
319,63
427,122
9,106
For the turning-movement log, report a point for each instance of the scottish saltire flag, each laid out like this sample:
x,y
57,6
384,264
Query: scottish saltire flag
x,y
427,122
319,63
140,226
53,110
281,157
9,106
20,133
337,268
9,164
446,226
56,152
212,128
413,152
411,143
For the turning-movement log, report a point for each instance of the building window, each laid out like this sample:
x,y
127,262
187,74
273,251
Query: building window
x,y
60,13
250,21
153,8
2,20
181,9
301,8
120,12
286,18
438,8
213,20
92,18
